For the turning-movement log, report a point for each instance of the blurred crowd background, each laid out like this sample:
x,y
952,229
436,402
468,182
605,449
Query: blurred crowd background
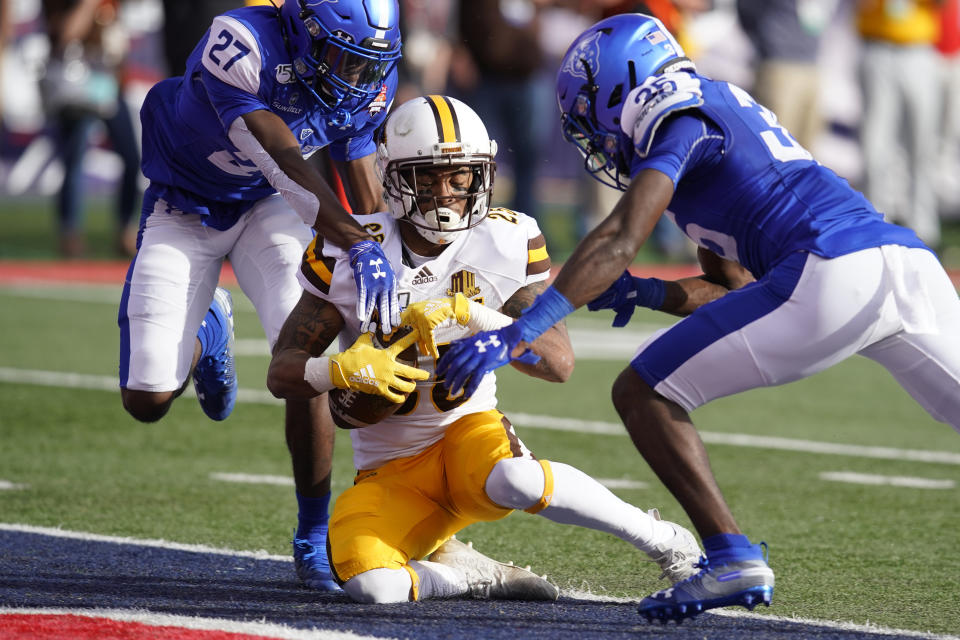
x,y
870,87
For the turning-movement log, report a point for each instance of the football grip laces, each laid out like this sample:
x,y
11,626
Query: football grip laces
x,y
376,285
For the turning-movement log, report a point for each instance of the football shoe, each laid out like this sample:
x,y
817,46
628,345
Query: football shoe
x,y
488,579
746,583
214,377
677,556
312,566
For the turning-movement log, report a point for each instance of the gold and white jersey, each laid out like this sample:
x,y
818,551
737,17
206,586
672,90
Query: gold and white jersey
x,y
487,264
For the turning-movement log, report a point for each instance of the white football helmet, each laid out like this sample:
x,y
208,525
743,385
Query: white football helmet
x,y
433,132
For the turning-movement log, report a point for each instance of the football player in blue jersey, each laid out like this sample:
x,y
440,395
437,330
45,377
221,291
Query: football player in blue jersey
x,y
225,148
799,272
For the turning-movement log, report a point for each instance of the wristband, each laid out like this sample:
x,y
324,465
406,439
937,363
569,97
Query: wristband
x,y
486,319
548,309
650,292
316,373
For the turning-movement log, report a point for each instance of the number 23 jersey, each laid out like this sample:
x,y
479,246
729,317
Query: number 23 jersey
x,y
487,264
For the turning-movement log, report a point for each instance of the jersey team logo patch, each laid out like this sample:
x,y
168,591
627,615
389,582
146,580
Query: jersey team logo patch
x,y
284,74
464,282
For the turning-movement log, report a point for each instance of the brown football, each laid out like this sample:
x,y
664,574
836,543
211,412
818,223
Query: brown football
x,y
356,409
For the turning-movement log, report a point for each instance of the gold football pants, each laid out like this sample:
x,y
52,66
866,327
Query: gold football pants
x,y
406,508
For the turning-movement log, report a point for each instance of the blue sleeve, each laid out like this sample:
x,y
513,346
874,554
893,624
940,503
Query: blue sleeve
x,y
683,144
229,101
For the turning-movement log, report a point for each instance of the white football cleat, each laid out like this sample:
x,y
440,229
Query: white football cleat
x,y
678,555
492,580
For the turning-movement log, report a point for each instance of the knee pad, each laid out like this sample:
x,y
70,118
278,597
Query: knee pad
x,y
379,586
521,483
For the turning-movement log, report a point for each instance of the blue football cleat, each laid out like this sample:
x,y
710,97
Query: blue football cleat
x,y
312,566
745,583
215,378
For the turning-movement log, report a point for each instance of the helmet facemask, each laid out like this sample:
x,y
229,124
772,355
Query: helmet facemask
x,y
440,197
602,156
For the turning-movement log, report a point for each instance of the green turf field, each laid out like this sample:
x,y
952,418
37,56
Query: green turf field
x,y
843,552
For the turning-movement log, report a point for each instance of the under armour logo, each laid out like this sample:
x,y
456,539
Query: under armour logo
x,y
378,273
481,346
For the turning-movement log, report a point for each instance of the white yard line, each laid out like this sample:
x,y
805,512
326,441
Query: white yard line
x,y
853,477
534,421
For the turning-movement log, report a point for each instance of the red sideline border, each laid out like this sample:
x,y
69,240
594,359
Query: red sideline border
x,y
22,626
114,272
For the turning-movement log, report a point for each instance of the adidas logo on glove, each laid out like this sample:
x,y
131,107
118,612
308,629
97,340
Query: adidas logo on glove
x,y
364,376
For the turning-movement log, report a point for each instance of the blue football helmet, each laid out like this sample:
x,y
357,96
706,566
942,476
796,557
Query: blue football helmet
x,y
600,68
342,50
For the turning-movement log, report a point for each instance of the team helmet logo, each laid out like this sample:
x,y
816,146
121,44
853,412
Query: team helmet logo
x,y
587,51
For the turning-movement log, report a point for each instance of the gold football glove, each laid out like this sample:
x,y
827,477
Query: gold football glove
x,y
426,315
364,367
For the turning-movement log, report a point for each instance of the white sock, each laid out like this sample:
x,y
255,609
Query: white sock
x,y
518,483
439,580
579,499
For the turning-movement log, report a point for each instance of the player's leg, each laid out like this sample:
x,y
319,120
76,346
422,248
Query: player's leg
x,y
566,495
807,314
266,259
924,356
383,525
167,294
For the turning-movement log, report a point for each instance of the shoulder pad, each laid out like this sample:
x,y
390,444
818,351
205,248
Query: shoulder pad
x,y
647,105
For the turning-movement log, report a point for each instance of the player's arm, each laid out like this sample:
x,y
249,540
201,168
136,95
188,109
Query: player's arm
x,y
366,190
299,370
310,328
553,346
720,276
314,199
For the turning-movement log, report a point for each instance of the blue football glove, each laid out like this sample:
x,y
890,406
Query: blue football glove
x,y
376,286
468,360
626,294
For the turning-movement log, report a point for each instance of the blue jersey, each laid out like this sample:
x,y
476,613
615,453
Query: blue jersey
x,y
748,192
240,66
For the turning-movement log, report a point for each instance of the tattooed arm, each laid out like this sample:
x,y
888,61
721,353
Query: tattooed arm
x,y
308,331
553,347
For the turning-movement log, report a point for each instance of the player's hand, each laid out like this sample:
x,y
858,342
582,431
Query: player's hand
x,y
376,286
427,315
364,367
468,360
627,293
